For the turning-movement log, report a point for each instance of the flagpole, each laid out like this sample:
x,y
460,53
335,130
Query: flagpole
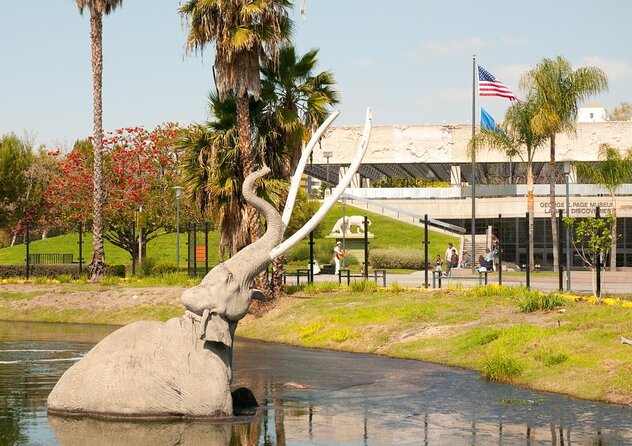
x,y
473,176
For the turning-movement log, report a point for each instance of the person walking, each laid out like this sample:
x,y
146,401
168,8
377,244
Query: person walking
x,y
454,259
448,258
489,259
339,254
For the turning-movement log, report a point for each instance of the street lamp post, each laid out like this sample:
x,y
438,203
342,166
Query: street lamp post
x,y
327,155
178,190
567,174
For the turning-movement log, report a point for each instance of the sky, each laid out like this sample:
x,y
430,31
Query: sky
x,y
410,60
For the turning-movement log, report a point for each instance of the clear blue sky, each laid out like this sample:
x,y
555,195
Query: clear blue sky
x,y
411,60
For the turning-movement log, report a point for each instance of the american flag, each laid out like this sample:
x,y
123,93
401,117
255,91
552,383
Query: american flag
x,y
488,85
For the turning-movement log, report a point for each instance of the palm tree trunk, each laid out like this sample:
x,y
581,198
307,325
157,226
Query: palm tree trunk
x,y
530,210
97,264
243,129
613,231
553,208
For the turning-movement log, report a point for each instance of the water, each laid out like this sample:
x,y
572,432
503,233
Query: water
x,y
307,397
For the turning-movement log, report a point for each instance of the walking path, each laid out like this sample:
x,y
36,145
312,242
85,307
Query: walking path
x,y
619,282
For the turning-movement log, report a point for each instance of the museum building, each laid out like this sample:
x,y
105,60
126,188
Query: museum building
x,y
439,153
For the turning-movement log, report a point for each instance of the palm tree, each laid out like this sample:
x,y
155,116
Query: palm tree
x,y
212,173
517,138
97,8
244,32
613,170
296,103
558,89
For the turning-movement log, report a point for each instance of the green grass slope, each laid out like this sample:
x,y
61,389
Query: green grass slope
x,y
388,233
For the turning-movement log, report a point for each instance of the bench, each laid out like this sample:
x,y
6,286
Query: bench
x,y
298,273
50,259
376,273
438,275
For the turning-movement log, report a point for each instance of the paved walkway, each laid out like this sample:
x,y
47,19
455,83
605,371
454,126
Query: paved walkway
x,y
619,282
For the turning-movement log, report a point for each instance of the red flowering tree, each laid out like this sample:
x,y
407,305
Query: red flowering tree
x,y
140,169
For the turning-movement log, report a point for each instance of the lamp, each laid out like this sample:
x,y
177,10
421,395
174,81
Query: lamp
x,y
327,155
567,175
178,190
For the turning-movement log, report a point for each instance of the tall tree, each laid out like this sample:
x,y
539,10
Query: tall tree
x,y
244,32
295,102
611,172
517,138
212,173
558,90
16,158
622,112
97,8
142,169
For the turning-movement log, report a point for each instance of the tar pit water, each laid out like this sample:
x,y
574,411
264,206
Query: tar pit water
x,y
306,397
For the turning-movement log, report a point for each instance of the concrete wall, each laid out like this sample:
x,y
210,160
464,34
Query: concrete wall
x,y
448,143
507,206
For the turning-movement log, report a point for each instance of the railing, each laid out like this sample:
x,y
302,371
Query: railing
x,y
417,217
50,259
589,190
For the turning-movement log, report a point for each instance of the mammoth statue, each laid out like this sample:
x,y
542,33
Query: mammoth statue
x,y
345,224
182,368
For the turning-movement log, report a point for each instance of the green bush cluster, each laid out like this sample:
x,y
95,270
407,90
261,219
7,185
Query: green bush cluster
x,y
323,252
396,258
116,270
146,267
163,268
363,286
549,358
530,301
49,271
500,367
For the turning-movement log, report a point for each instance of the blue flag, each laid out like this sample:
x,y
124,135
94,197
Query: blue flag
x,y
487,122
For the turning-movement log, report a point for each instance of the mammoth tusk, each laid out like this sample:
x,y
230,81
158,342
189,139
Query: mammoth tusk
x,y
331,200
296,179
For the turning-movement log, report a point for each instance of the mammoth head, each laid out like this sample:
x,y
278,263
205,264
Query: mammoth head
x,y
224,295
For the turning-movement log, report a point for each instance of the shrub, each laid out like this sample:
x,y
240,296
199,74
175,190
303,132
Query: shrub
x,y
163,268
351,260
50,271
116,270
64,278
489,336
548,358
320,287
392,258
500,368
363,286
323,252
298,253
109,281
530,301
291,289
147,266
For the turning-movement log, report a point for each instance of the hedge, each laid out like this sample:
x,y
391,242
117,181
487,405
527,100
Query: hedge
x,y
396,258
53,271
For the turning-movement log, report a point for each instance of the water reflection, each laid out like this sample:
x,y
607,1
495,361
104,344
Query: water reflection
x,y
306,397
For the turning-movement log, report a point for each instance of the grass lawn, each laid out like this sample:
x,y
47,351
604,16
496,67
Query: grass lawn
x,y
388,233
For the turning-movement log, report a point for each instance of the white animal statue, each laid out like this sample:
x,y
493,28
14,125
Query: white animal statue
x,y
345,224
182,368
